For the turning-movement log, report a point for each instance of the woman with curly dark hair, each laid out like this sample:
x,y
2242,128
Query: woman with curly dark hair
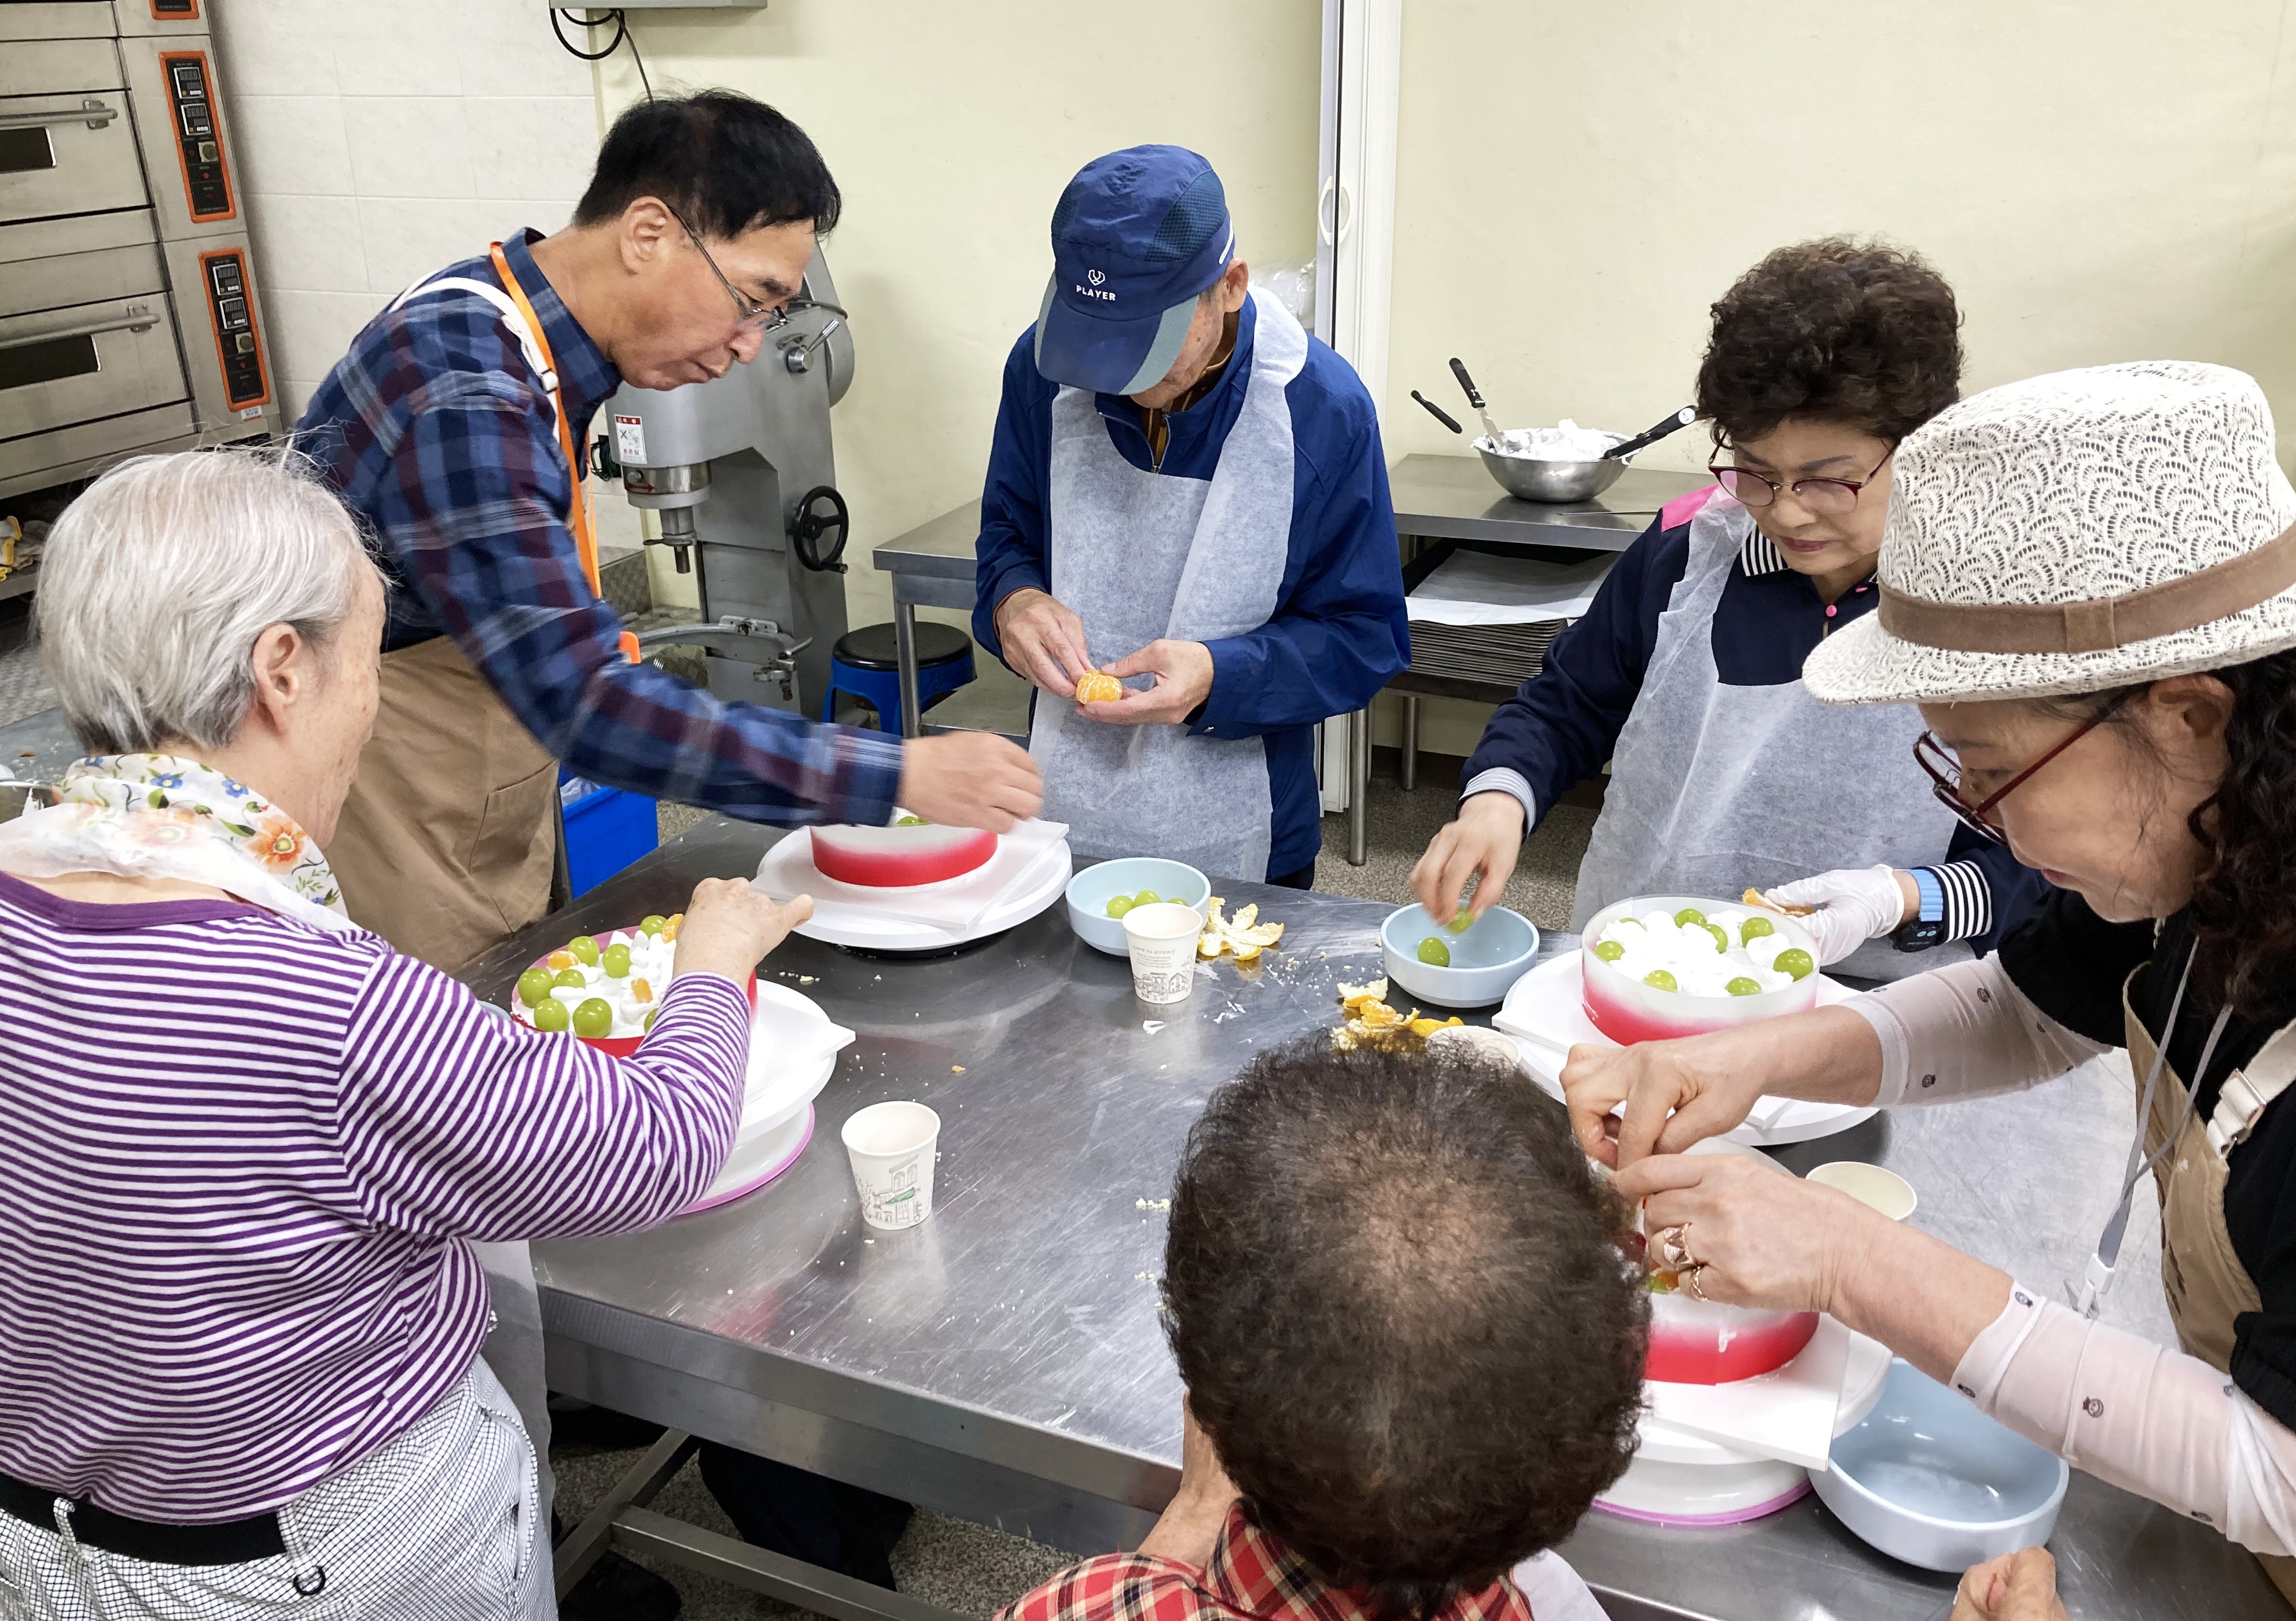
x,y
1684,674
2089,588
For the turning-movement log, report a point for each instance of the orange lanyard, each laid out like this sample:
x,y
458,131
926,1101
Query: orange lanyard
x,y
578,516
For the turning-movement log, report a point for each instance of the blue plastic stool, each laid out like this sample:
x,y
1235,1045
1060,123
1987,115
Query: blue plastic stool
x,y
867,664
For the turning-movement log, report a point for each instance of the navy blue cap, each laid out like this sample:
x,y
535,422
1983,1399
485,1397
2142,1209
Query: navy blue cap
x,y
1138,235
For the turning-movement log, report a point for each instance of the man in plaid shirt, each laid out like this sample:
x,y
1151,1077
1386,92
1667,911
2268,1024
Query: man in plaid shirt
x,y
442,431
1412,1348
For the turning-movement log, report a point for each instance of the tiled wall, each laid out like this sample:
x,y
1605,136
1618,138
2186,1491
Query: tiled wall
x,y
379,143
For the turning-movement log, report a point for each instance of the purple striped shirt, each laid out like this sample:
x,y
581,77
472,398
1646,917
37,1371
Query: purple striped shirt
x,y
238,1157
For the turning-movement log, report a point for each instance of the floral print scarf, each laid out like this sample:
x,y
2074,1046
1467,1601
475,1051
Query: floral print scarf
x,y
163,816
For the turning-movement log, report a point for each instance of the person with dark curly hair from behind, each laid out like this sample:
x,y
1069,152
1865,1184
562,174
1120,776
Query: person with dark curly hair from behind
x,y
1412,1346
1686,673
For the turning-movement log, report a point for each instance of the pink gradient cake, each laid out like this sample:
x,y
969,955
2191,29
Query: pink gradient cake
x,y
909,852
1660,967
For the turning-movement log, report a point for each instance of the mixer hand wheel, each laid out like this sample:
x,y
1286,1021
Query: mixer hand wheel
x,y
810,526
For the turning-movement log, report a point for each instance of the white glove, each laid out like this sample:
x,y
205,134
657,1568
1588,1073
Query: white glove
x,y
1854,905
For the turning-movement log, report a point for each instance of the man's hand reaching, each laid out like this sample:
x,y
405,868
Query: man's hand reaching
x,y
1043,641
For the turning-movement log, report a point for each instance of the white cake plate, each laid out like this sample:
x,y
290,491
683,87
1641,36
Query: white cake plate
x,y
1681,1479
1042,886
1542,1013
793,1047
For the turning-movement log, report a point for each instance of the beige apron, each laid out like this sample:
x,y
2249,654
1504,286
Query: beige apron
x,y
447,842
2206,1285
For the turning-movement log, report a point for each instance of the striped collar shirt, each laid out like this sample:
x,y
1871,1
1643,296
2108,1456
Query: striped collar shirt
x,y
438,433
239,1158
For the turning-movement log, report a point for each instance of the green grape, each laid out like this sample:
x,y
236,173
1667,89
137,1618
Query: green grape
x,y
551,1015
1659,979
616,961
1688,915
1118,905
651,1014
585,950
1721,936
1609,950
1754,928
572,978
1742,986
594,1018
534,987
1461,924
1146,896
1795,961
1434,952
913,821
653,924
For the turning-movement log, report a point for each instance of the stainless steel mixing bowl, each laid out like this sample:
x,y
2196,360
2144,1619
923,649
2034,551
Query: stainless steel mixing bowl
x,y
1530,481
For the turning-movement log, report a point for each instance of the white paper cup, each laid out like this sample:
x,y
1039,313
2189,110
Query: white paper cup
x,y
1161,939
1885,1191
892,1147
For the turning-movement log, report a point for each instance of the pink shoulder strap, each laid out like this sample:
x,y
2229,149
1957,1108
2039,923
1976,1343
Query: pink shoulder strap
x,y
1683,508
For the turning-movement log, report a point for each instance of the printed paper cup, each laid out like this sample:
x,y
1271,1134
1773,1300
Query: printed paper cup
x,y
1161,940
892,1147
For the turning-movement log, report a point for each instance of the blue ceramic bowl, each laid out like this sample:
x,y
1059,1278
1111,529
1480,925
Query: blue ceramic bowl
x,y
1927,1478
1091,889
1485,961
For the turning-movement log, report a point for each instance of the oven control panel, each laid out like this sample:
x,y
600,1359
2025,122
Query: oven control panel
x,y
191,99
231,309
174,10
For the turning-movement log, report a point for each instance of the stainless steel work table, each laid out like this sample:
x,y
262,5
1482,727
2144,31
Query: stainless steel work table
x,y
1004,1363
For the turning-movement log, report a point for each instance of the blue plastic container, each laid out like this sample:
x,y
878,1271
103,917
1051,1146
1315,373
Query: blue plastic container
x,y
606,830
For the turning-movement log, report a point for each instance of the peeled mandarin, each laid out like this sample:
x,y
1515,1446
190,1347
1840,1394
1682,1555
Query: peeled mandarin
x,y
560,960
641,991
1099,687
670,925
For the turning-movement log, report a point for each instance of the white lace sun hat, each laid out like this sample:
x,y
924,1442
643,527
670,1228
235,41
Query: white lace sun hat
x,y
2077,531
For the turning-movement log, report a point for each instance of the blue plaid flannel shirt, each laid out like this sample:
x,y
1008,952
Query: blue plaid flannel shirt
x,y
436,430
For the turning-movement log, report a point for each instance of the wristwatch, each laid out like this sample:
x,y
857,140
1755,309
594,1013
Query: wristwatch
x,y
1926,928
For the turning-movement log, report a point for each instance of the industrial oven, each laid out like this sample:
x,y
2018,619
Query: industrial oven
x,y
129,316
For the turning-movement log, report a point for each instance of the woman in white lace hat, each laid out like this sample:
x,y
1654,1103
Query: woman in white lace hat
x,y
2088,585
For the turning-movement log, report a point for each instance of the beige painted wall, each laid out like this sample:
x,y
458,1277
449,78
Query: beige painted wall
x,y
2109,180
951,130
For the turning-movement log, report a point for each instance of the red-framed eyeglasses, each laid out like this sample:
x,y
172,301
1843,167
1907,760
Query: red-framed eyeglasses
x,y
1944,773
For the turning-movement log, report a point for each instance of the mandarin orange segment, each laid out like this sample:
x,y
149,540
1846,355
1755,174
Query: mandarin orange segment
x,y
1099,687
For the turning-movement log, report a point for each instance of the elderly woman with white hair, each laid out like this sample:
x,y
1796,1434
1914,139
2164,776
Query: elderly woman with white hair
x,y
2088,585
244,1147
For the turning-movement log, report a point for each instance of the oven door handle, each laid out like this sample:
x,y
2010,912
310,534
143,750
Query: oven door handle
x,y
136,318
91,112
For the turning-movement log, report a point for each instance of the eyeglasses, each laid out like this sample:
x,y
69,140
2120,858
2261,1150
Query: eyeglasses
x,y
1944,773
765,318
1826,497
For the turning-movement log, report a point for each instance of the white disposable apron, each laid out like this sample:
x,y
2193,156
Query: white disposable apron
x,y
1142,555
1715,789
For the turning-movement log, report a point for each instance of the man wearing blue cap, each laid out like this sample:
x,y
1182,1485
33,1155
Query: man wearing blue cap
x,y
1187,492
